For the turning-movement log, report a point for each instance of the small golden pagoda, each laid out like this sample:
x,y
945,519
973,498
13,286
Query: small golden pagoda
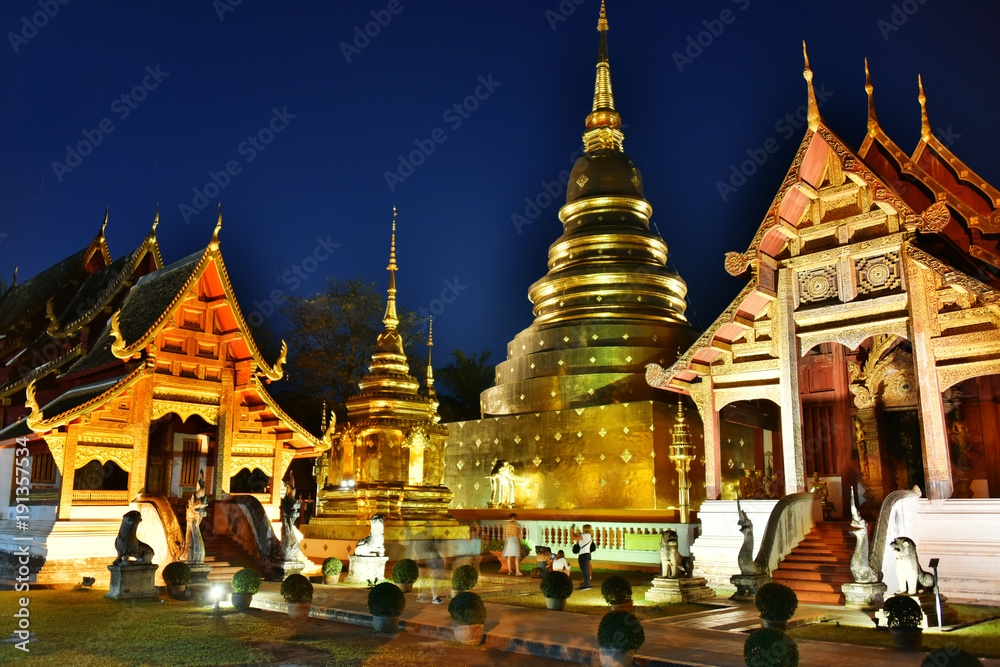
x,y
570,410
387,459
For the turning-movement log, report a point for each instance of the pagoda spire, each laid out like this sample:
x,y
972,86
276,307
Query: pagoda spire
x,y
430,369
925,124
872,118
807,74
391,319
604,123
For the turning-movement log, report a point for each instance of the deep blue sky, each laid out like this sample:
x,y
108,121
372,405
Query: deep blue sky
x,y
323,175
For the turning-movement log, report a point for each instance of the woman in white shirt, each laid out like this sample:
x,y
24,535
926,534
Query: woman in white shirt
x,y
560,564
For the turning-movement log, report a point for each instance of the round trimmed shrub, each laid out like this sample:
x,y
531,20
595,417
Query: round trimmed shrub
x,y
620,630
467,608
246,582
464,578
950,656
493,545
776,602
525,546
770,647
903,613
332,567
386,599
296,589
405,571
616,590
177,574
557,585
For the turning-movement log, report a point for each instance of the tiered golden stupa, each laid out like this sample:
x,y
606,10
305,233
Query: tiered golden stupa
x,y
570,410
387,459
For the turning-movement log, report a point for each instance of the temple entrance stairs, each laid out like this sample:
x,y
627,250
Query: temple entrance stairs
x,y
224,555
820,564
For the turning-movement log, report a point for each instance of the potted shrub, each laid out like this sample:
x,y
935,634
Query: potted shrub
x,y
176,576
332,567
617,592
776,603
951,656
495,547
385,603
404,573
904,616
556,587
619,635
469,613
464,578
298,593
770,647
245,585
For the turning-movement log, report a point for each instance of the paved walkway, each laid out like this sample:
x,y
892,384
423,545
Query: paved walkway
x,y
693,640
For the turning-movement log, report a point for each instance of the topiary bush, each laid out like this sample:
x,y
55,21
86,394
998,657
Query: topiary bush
x,y
903,613
770,647
177,574
494,545
950,656
616,590
464,578
620,630
467,609
525,546
247,582
332,567
557,585
405,571
776,602
386,599
296,589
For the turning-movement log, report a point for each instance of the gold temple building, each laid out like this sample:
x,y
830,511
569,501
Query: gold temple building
x,y
570,410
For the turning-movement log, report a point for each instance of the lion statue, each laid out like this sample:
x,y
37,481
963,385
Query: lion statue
x,y
672,564
127,544
912,578
374,544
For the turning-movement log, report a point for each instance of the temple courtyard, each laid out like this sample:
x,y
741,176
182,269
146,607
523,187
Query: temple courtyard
x,y
82,627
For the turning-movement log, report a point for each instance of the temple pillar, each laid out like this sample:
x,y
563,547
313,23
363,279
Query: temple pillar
x,y
870,457
791,401
923,314
843,440
143,409
277,473
704,398
225,430
991,432
68,471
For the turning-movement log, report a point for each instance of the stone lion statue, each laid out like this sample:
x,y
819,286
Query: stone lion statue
x,y
127,543
374,544
912,577
672,564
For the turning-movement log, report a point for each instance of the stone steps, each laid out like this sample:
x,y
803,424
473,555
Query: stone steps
x,y
819,565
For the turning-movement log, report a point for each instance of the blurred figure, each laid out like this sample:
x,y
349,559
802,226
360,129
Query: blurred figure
x,y
584,545
512,548
560,564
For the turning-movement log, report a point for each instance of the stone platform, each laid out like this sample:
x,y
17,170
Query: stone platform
x,y
365,568
679,590
133,581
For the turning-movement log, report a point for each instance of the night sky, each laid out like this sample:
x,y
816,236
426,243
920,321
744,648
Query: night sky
x,y
309,114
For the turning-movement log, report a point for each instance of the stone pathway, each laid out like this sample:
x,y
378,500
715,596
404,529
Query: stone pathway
x,y
695,640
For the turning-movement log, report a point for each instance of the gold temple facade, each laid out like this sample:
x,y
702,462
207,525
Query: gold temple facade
x,y
570,409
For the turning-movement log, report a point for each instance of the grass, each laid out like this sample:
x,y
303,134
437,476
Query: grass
x,y
982,639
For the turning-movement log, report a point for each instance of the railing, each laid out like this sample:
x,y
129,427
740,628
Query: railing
x,y
610,537
791,519
243,517
171,528
100,496
894,517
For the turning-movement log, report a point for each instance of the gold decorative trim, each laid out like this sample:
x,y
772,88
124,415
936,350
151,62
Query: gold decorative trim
x,y
263,463
120,455
182,409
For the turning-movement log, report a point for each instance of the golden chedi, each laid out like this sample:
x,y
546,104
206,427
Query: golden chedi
x,y
571,410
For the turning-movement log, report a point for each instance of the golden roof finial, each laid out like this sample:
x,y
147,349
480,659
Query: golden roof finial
x,y
156,220
330,428
277,370
104,225
430,344
50,312
14,283
214,243
118,345
391,319
603,123
807,73
925,124
870,89
30,402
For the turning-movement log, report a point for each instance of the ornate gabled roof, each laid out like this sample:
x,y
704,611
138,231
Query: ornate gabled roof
x,y
25,301
53,354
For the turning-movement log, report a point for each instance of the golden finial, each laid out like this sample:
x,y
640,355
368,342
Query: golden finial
x,y
30,402
604,123
214,243
391,319
322,418
430,344
925,124
156,220
14,283
870,89
807,73
328,432
50,312
104,225
118,345
277,371
602,23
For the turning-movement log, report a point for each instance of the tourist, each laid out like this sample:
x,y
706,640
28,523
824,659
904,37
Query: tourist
x,y
436,563
560,564
584,545
512,548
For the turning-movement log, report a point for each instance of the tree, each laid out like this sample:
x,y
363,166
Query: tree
x,y
460,383
331,338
